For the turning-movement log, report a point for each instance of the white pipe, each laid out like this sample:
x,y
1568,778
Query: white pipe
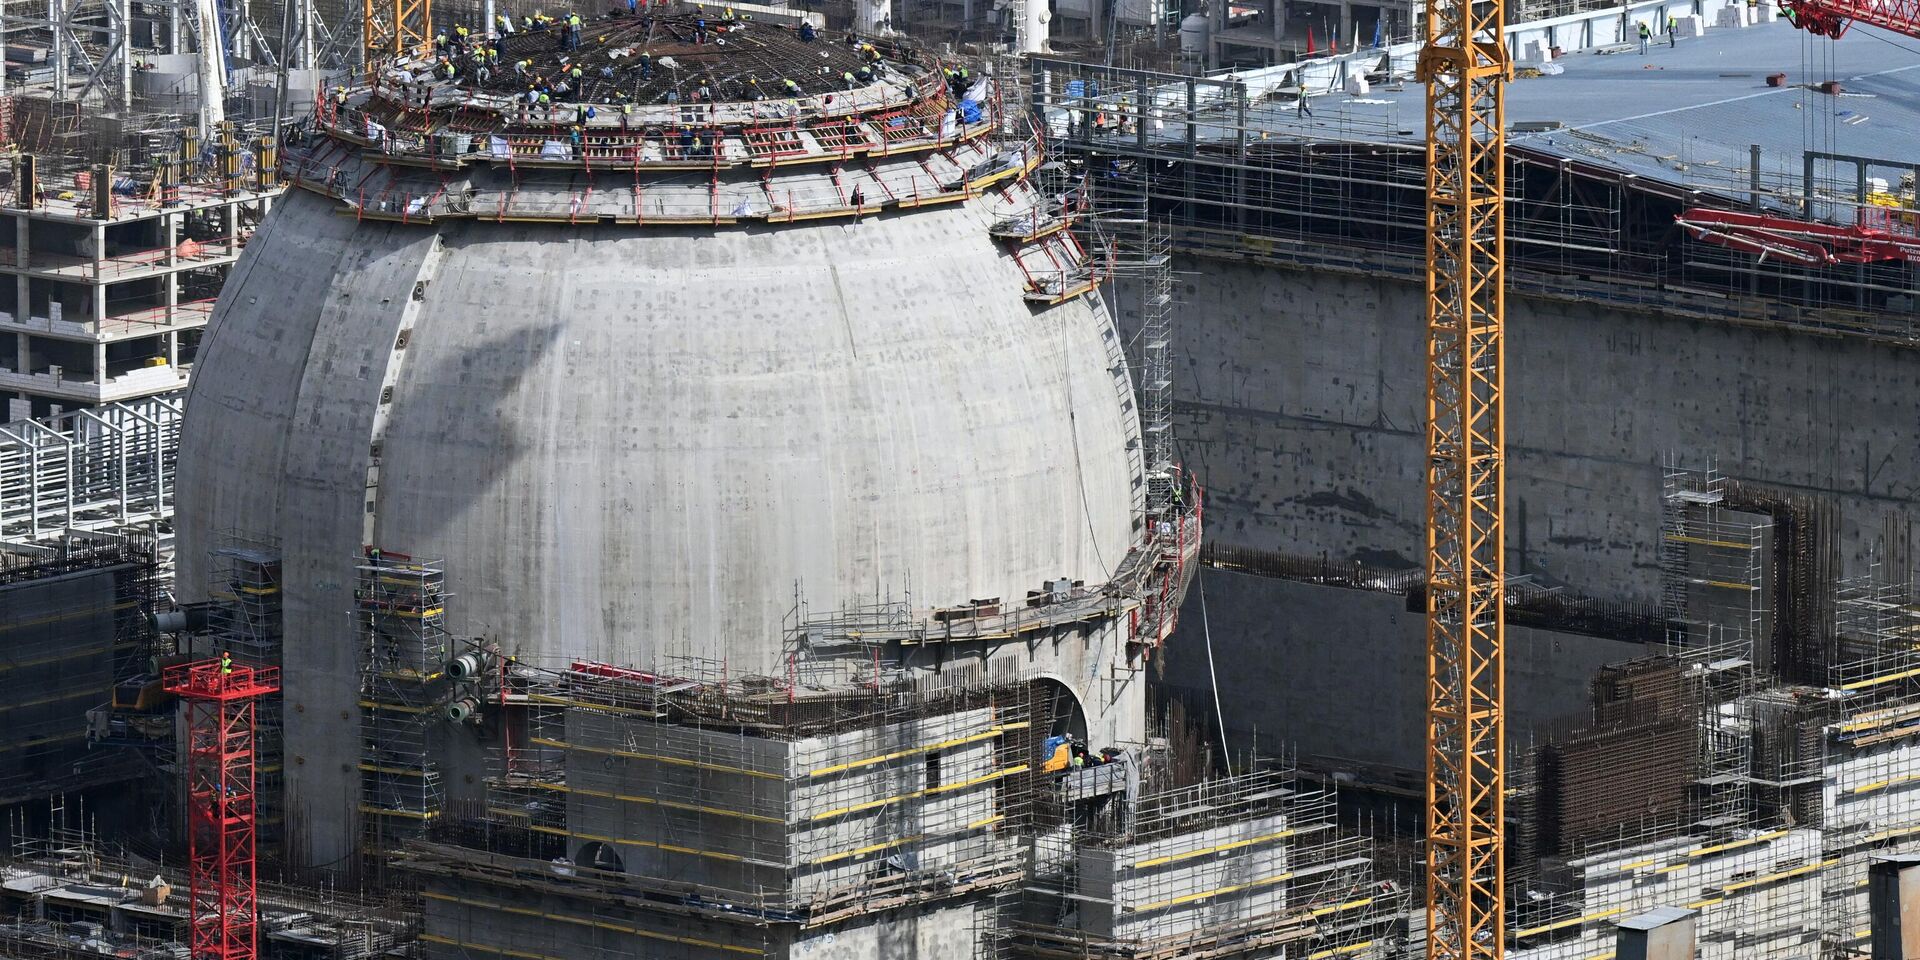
x,y
126,57
306,35
1034,27
57,12
212,67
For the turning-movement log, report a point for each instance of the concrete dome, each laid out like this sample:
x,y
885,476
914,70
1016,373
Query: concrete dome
x,y
645,389
630,444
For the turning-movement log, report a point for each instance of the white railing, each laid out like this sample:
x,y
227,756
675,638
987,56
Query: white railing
x,y
103,468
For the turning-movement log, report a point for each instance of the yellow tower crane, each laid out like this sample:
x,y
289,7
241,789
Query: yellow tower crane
x,y
1465,67
390,28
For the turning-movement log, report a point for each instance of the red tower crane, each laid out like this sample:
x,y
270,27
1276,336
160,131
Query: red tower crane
x,y
220,700
1830,18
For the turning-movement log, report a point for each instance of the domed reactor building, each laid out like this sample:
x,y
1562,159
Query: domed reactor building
x,y
707,486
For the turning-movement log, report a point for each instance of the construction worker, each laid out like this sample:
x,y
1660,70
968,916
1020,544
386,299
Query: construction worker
x,y
806,31
1645,35
1673,32
226,665
792,88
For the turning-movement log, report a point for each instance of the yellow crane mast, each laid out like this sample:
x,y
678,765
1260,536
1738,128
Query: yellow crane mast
x,y
391,28
1465,67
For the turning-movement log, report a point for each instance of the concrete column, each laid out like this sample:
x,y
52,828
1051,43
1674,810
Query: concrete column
x,y
99,241
57,12
126,56
1893,904
173,348
212,67
171,285
23,353
306,33
100,363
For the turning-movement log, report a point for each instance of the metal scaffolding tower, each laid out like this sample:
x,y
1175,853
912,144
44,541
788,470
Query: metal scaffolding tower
x,y
400,613
220,810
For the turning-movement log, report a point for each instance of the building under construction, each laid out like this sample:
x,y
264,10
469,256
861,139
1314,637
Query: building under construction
x,y
710,487
756,685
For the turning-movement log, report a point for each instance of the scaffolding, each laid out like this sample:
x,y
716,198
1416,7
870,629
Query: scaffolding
x,y
761,817
64,876
245,621
1244,173
107,469
400,620
1871,788
1713,566
1255,865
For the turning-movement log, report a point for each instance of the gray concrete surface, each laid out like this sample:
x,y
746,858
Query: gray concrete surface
x,y
632,444
1337,673
1299,404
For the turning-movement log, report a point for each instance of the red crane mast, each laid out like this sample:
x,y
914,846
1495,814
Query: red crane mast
x,y
220,699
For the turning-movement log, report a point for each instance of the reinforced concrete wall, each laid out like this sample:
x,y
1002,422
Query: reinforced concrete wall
x,y
1758,897
700,806
541,922
1339,673
1233,873
919,790
1299,404
1871,808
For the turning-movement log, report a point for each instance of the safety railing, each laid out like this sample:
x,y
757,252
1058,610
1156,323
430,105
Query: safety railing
x,y
975,167
825,127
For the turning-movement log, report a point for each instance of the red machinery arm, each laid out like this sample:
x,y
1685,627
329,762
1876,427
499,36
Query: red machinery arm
x,y
1879,234
1830,18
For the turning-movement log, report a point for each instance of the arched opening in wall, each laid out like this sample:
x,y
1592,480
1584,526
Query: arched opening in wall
x,y
600,856
1057,711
